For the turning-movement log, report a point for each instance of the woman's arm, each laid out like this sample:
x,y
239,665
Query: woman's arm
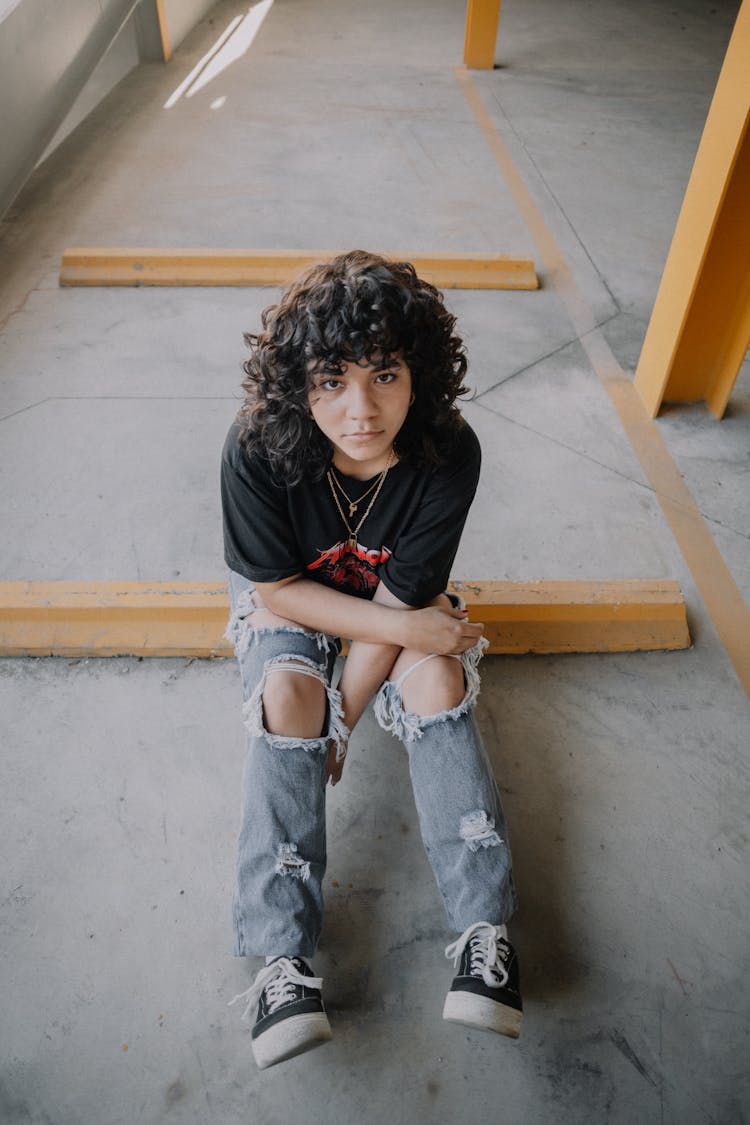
x,y
433,629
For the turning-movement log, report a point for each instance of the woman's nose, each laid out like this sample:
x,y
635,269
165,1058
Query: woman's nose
x,y
361,403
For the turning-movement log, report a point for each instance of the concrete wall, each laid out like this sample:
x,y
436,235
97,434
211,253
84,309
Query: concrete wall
x,y
138,41
48,51
59,58
7,6
118,61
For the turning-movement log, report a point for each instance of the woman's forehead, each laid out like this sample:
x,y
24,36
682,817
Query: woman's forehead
x,y
377,360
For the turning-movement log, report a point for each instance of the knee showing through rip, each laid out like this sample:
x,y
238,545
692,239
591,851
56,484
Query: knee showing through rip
x,y
436,686
294,705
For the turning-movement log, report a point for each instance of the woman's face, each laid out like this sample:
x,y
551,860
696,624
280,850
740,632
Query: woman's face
x,y
361,411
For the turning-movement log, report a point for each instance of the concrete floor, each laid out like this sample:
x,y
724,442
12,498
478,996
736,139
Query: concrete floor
x,y
626,778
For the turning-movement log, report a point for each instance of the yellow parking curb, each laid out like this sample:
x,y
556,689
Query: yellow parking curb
x,y
189,618
107,266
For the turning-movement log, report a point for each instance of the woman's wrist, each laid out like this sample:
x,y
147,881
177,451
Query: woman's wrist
x,y
401,631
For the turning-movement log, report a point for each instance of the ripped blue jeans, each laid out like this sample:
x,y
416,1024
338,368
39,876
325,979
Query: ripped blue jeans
x,y
281,860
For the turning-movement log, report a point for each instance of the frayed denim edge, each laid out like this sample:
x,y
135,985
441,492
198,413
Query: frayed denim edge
x,y
240,632
477,830
408,726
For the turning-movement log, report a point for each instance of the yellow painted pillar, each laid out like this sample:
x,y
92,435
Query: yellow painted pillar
x,y
166,46
700,325
482,18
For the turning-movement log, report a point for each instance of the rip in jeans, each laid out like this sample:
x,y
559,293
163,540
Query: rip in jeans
x,y
252,711
477,829
289,863
241,632
408,726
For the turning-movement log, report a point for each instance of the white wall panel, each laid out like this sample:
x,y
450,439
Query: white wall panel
x,y
182,16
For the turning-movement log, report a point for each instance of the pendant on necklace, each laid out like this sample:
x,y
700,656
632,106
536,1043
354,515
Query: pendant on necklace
x,y
351,543
352,508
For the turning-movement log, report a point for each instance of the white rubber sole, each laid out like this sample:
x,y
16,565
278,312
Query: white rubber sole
x,y
290,1037
481,1012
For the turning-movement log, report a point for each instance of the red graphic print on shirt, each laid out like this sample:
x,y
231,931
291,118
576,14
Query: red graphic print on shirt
x,y
350,566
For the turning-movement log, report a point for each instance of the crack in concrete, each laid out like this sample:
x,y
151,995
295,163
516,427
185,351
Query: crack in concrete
x,y
118,398
601,464
23,410
556,201
542,359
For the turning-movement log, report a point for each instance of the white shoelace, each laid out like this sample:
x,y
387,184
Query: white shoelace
x,y
488,952
280,978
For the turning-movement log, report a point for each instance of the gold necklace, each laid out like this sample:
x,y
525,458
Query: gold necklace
x,y
354,532
354,504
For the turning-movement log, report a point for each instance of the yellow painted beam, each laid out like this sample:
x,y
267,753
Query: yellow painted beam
x,y
189,618
139,266
482,17
700,325
113,618
578,616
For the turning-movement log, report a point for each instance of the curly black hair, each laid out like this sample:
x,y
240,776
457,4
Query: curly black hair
x,y
357,308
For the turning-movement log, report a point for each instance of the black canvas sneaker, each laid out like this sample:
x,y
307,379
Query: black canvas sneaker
x,y
290,1015
485,993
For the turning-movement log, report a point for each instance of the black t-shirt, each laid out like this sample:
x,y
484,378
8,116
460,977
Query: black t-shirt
x,y
408,541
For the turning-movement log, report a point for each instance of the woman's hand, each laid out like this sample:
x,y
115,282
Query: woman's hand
x,y
334,769
441,629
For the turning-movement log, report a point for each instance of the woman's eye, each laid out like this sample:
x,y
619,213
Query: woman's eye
x,y
330,384
387,377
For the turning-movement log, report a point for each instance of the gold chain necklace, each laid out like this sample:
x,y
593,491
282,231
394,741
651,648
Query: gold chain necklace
x,y
354,504
354,532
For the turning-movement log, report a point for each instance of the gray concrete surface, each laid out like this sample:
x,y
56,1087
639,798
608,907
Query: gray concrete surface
x,y
625,778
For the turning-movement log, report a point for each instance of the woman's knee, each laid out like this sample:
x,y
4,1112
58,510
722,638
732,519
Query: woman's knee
x,y
294,704
436,685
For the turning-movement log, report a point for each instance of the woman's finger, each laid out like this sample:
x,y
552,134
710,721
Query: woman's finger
x,y
334,769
